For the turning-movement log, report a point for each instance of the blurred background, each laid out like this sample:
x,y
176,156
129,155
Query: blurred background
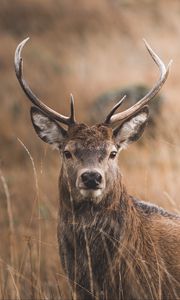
x,y
93,49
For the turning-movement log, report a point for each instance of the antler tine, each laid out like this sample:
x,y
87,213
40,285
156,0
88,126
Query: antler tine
x,y
145,100
115,107
18,61
72,116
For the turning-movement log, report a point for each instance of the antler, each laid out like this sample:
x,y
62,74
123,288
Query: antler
x,y
18,61
112,119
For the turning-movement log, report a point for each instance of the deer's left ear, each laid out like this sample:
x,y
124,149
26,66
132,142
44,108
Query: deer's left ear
x,y
131,129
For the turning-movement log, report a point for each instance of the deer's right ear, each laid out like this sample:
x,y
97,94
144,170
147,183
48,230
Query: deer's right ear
x,y
46,128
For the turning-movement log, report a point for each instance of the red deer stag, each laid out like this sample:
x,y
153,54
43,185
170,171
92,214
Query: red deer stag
x,y
112,246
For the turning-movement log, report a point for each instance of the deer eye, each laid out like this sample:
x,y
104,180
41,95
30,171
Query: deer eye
x,y
67,154
113,154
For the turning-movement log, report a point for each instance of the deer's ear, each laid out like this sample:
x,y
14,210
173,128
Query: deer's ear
x,y
46,128
131,129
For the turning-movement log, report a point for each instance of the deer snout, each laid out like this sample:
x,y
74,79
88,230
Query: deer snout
x,y
91,180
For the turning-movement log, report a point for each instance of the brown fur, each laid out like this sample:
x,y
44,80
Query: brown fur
x,y
120,248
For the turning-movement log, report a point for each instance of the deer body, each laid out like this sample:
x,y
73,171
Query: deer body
x,y
112,246
120,248
129,260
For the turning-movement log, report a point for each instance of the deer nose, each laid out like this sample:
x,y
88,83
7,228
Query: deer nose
x,y
91,180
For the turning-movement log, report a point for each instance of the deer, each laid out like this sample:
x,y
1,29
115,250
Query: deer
x,y
111,244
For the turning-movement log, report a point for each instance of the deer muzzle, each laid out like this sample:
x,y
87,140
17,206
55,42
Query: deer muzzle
x,y
90,182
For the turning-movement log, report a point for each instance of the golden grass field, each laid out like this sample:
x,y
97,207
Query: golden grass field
x,y
86,49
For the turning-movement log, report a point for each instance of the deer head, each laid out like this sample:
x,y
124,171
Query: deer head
x,y
89,154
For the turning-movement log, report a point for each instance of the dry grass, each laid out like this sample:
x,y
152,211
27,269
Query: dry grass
x,y
86,50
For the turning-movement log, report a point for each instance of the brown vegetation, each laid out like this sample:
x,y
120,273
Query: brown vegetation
x,y
83,49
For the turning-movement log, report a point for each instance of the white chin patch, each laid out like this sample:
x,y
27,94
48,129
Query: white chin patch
x,y
91,193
